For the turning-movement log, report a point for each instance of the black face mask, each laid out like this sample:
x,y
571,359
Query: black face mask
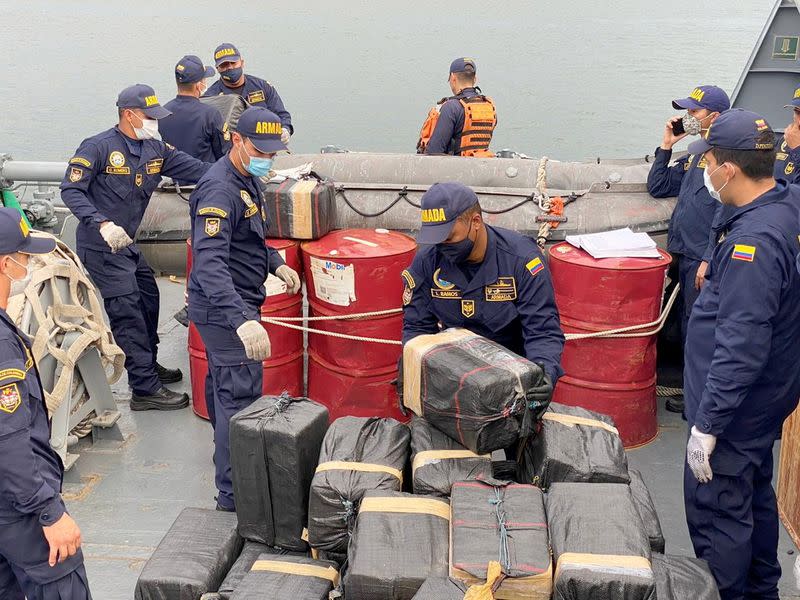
x,y
232,75
457,252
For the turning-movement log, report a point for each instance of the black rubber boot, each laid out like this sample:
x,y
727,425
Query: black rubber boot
x,y
166,375
163,399
182,316
674,404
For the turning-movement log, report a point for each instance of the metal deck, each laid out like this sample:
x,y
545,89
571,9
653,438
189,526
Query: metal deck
x,y
125,496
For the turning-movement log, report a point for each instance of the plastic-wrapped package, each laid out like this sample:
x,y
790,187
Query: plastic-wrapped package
x,y
291,577
468,387
249,555
683,578
647,510
300,209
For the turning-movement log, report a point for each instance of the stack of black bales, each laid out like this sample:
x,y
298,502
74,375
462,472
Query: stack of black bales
x,y
438,461
683,578
399,541
493,521
274,446
250,554
358,454
599,544
441,588
290,577
574,445
647,511
192,558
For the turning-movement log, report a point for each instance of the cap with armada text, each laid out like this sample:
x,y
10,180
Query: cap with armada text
x,y
441,206
144,97
226,53
795,103
190,69
736,129
15,235
263,128
705,96
463,65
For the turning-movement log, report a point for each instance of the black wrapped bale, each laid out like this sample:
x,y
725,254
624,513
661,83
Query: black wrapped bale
x,y
598,541
441,588
504,523
289,577
358,454
192,558
683,578
438,461
647,511
249,555
574,445
275,445
468,387
301,209
230,106
399,541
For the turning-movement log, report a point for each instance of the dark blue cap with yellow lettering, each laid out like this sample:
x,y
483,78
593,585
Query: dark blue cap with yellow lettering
x,y
795,103
705,96
441,206
190,69
144,97
15,235
226,53
263,128
463,65
736,129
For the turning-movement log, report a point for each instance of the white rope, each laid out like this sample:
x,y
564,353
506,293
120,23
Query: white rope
x,y
621,332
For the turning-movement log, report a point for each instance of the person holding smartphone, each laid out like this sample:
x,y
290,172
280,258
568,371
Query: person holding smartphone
x,y
690,230
787,159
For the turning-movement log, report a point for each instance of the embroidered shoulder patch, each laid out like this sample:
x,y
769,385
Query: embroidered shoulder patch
x,y
213,210
75,174
212,227
10,398
744,252
409,279
79,160
535,266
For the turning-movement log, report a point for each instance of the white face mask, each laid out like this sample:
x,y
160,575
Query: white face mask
x,y
19,285
148,130
710,186
692,125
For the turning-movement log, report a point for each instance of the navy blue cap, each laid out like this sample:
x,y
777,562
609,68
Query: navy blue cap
x,y
263,128
735,129
463,65
226,53
15,235
441,206
190,69
795,103
144,97
705,96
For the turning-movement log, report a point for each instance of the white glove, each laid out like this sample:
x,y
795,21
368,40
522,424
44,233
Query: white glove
x,y
289,277
698,454
255,340
285,135
115,236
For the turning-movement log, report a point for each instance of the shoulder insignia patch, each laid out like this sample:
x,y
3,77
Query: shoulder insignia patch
x,y
781,156
789,168
139,179
10,398
535,266
75,174
213,210
409,279
468,308
79,160
407,295
702,163
744,252
116,159
246,197
212,226
254,97
15,374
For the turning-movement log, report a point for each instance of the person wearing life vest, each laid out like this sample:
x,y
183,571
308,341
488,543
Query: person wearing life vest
x,y
461,125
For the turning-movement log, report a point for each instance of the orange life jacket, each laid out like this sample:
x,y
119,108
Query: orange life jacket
x,y
480,119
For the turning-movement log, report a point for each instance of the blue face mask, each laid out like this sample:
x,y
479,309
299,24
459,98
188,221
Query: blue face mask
x,y
232,75
256,166
457,252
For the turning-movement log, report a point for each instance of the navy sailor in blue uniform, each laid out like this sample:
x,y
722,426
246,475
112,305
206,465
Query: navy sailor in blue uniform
x,y
489,280
787,159
107,186
257,92
741,379
230,263
40,544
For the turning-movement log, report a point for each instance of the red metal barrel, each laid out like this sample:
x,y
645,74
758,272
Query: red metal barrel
x,y
350,272
614,376
283,371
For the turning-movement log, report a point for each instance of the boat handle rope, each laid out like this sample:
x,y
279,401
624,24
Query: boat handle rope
x,y
630,331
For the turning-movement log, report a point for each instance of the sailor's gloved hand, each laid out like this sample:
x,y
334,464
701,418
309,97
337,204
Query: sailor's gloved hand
x,y
285,135
698,454
539,396
255,340
289,277
115,236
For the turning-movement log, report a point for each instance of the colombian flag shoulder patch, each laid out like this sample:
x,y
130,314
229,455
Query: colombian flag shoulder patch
x,y
535,266
744,252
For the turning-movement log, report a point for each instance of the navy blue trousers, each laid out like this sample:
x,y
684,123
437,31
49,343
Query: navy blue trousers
x,y
687,270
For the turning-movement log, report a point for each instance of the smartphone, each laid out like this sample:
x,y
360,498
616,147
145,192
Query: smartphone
x,y
677,127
